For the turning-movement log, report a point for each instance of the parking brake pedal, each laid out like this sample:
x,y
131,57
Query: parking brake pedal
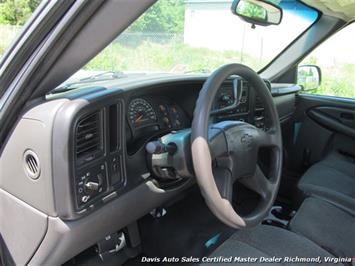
x,y
111,245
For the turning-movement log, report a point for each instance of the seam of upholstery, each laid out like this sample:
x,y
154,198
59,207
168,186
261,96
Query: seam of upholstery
x,y
319,191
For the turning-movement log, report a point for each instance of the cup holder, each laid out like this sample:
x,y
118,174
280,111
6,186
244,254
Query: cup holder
x,y
278,216
280,213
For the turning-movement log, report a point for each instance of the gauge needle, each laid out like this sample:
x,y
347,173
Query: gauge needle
x,y
139,118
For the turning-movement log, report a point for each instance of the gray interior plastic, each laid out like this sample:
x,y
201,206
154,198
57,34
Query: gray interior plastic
x,y
66,239
22,228
35,125
332,131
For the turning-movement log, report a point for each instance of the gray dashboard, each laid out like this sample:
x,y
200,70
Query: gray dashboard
x,y
114,171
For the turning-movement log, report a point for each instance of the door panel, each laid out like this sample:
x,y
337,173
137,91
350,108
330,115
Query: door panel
x,y
322,124
336,119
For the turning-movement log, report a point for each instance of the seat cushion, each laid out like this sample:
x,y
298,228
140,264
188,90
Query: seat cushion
x,y
328,226
266,241
332,179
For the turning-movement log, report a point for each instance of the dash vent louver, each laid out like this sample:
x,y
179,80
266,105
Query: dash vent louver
x,y
88,137
32,164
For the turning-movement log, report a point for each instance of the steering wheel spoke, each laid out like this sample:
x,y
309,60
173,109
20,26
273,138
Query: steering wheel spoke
x,y
217,143
259,183
224,182
267,138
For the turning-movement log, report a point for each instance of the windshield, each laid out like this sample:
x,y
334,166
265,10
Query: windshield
x,y
197,36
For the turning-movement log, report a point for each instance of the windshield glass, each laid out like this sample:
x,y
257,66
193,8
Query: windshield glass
x,y
196,36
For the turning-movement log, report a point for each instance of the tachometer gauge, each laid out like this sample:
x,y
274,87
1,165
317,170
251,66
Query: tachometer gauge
x,y
141,113
176,117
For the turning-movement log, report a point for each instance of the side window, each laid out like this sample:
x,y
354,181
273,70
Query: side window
x,y
336,60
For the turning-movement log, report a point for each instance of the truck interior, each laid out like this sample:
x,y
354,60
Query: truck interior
x,y
224,165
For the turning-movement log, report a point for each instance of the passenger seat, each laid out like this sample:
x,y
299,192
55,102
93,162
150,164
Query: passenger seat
x,y
326,225
332,179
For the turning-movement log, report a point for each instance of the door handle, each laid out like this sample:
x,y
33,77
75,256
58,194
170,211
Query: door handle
x,y
347,116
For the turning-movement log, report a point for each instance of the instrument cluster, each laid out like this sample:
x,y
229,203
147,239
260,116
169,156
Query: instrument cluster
x,y
141,113
149,116
153,115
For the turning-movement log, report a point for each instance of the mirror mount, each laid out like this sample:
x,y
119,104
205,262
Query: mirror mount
x,y
257,12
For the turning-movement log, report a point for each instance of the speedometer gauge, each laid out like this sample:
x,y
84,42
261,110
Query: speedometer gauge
x,y
141,113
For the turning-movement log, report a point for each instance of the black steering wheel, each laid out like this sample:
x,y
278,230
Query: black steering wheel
x,y
233,146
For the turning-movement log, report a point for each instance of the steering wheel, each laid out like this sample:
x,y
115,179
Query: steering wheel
x,y
233,148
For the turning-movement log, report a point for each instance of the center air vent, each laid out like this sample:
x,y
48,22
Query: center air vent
x,y
31,164
88,138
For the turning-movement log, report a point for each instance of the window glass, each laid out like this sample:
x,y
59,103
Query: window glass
x,y
194,36
13,15
336,59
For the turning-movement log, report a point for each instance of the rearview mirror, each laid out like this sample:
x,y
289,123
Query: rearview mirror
x,y
257,12
309,77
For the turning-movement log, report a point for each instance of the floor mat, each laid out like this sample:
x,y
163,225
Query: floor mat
x,y
188,229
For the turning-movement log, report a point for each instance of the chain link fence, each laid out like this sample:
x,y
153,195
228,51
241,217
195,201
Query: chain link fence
x,y
135,39
131,39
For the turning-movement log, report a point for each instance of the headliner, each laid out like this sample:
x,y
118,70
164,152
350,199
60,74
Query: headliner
x,y
343,9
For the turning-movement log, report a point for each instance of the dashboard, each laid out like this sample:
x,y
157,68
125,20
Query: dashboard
x,y
90,152
110,128
111,132
152,115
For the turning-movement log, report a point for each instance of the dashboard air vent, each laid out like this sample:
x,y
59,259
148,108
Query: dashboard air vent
x,y
89,137
31,164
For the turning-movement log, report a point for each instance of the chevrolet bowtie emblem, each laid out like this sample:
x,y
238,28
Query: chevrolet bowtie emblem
x,y
246,139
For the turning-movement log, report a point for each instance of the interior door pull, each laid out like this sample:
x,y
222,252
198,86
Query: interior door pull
x,y
347,116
